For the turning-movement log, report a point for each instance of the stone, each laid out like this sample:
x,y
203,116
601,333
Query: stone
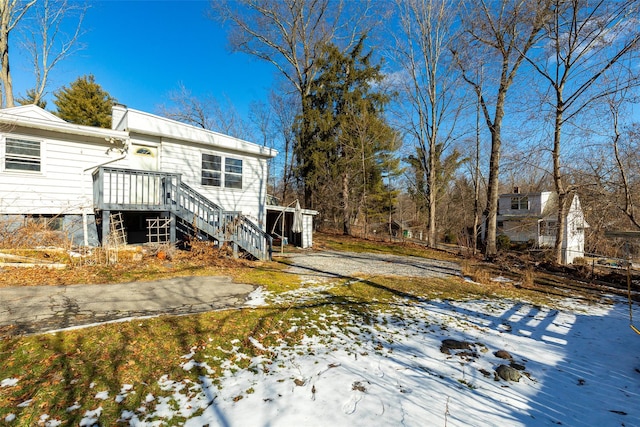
x,y
503,354
508,373
451,344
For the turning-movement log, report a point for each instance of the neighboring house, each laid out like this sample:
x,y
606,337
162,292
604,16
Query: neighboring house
x,y
532,217
145,168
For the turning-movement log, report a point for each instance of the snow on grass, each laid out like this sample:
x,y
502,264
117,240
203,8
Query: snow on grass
x,y
91,417
387,366
9,382
102,395
581,367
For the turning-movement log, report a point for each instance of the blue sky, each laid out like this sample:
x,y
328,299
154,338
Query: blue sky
x,y
141,50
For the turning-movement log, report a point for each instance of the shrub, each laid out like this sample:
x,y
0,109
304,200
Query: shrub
x,y
503,242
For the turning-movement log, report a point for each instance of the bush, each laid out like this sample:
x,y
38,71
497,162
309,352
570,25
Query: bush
x,y
503,242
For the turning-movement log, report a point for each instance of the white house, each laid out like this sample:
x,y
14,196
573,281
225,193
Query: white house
x,y
146,167
532,217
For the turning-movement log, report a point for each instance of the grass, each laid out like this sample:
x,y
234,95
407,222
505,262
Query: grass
x,y
350,244
65,370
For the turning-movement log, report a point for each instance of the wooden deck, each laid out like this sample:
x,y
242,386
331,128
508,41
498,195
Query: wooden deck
x,y
130,190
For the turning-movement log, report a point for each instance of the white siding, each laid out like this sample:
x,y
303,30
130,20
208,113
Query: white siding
x,y
186,159
307,231
61,187
519,231
537,203
573,246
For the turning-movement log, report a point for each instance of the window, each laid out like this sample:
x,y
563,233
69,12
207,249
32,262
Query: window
x,y
548,228
233,173
520,203
211,170
212,173
22,155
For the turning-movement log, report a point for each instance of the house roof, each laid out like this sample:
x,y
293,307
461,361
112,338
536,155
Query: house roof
x,y
533,193
140,122
35,117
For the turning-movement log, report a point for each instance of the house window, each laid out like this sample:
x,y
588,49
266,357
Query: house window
x,y
548,228
520,203
211,170
22,155
232,173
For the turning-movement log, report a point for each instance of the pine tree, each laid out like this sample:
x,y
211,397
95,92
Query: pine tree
x,y
344,139
30,97
84,102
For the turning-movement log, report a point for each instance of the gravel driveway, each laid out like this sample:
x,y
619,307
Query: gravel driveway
x,y
329,264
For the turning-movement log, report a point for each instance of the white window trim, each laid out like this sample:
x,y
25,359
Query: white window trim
x,y
519,208
223,172
241,174
3,165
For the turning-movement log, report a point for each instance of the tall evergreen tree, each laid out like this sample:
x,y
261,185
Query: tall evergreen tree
x,y
84,102
347,139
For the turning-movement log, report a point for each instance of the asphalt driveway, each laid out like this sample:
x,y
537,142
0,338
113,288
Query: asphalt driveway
x,y
34,309
37,309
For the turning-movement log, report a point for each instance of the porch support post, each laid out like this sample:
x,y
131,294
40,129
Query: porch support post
x,y
172,227
105,227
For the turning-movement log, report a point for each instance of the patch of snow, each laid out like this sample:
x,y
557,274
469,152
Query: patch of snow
x,y
9,418
102,395
91,417
74,407
257,298
25,404
45,421
257,344
9,382
125,390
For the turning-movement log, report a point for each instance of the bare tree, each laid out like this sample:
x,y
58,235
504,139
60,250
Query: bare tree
x,y
284,108
584,39
207,113
423,51
498,33
46,41
11,12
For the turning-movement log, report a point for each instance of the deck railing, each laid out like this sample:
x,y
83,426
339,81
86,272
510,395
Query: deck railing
x,y
118,189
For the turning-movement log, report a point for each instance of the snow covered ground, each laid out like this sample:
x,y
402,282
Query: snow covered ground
x,y
579,365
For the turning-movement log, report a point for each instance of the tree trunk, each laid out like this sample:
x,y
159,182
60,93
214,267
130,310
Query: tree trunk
x,y
557,179
5,76
476,184
491,211
432,184
346,217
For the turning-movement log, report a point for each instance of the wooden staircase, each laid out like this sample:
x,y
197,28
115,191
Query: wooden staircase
x,y
122,190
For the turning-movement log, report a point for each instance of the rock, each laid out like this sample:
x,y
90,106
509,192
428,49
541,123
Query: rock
x,y
486,373
508,373
503,354
451,344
